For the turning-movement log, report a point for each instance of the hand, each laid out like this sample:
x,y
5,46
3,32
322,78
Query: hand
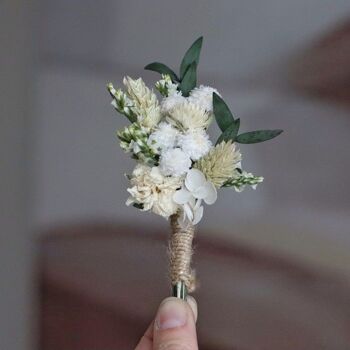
x,y
174,327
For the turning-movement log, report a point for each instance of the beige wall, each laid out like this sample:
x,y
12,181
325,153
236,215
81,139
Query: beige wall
x,y
17,326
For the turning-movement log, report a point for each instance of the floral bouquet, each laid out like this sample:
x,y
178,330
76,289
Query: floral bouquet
x,y
178,168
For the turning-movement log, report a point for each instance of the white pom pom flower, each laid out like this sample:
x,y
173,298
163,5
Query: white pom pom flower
x,y
203,97
174,99
163,138
195,143
195,189
174,162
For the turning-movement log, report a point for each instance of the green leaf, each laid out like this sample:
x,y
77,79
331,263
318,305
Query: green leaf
x,y
258,136
191,55
162,69
223,115
189,81
138,205
230,133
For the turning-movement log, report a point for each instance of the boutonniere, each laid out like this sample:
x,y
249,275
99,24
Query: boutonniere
x,y
179,169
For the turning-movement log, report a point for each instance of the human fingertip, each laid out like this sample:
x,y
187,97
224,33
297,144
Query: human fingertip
x,y
193,304
172,313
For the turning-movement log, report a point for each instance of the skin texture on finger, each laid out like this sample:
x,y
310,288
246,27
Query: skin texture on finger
x,y
175,325
193,304
146,342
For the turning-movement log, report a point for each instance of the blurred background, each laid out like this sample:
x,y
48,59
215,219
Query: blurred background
x,y
81,271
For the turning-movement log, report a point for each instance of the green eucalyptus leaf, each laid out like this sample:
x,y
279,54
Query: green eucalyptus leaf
x,y
230,133
257,136
162,69
189,81
223,115
191,55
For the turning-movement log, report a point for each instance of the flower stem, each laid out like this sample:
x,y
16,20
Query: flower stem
x,y
180,290
180,258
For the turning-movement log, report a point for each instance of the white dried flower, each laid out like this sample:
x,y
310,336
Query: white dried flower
x,y
145,102
174,162
203,97
189,116
134,138
172,89
195,189
163,138
152,191
195,143
165,86
241,179
170,102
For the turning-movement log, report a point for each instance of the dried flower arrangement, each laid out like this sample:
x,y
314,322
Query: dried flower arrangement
x,y
178,167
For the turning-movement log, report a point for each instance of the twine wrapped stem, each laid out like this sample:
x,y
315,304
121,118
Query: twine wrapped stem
x,y
180,255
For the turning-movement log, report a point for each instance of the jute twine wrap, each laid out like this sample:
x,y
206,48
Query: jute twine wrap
x,y
180,254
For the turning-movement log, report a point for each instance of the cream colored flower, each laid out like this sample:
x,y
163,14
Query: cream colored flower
x,y
153,191
189,116
219,164
146,105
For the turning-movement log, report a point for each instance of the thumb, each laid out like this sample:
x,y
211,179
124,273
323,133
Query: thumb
x,y
175,325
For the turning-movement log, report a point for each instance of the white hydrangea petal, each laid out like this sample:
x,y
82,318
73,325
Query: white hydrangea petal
x,y
194,179
192,202
198,204
201,192
188,212
212,194
182,196
198,214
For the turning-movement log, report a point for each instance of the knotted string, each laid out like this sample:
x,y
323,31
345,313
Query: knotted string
x,y
180,254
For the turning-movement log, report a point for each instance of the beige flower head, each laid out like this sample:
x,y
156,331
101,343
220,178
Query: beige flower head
x,y
220,163
189,116
153,191
145,101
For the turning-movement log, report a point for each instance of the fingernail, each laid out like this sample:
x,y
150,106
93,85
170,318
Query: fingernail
x,y
171,314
